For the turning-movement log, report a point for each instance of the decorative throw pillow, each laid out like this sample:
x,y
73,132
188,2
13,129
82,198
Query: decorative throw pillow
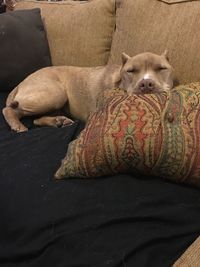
x,y
151,134
23,46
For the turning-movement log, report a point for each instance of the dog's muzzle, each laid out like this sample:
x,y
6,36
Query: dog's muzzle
x,y
146,86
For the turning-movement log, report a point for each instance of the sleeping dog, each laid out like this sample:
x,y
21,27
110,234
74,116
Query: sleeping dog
x,y
53,88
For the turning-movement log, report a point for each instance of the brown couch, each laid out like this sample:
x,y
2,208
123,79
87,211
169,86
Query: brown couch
x,y
97,32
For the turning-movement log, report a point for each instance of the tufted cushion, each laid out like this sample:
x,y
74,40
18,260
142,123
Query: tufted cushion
x,y
79,32
153,134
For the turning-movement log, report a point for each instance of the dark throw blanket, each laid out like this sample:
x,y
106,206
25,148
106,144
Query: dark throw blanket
x,y
115,221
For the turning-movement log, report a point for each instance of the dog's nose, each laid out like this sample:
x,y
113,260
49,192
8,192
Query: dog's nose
x,y
146,85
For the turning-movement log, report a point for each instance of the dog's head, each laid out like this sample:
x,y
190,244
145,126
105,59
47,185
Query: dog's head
x,y
146,73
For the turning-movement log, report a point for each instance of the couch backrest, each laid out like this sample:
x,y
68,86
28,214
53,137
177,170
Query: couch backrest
x,y
79,33
152,25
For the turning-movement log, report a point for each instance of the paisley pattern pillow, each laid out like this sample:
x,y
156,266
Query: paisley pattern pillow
x,y
151,134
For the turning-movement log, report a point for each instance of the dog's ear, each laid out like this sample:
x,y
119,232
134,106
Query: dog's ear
x,y
165,54
125,57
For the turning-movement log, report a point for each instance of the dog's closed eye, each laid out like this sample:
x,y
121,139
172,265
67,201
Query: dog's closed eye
x,y
160,67
133,70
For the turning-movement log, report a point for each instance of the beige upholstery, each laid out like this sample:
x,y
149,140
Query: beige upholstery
x,y
152,25
79,33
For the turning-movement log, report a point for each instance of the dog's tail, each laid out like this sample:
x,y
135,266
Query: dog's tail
x,y
14,104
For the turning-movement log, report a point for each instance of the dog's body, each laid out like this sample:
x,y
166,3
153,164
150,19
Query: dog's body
x,y
50,89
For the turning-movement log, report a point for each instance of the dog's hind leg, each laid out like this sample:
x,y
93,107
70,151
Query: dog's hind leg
x,y
56,121
12,117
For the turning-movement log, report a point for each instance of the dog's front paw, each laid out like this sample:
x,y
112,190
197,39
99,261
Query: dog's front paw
x,y
62,121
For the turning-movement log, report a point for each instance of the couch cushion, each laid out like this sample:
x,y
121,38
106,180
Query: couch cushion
x,y
152,134
151,25
23,46
79,33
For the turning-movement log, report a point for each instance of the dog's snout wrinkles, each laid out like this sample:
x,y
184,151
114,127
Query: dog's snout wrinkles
x,y
146,85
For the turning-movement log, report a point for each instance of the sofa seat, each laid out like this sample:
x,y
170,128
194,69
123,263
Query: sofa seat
x,y
113,221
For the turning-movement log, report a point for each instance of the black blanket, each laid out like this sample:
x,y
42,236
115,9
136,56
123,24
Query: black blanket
x,y
114,221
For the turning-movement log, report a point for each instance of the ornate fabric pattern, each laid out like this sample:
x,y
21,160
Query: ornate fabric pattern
x,y
152,134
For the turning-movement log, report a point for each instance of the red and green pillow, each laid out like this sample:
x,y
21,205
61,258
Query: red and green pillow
x,y
151,134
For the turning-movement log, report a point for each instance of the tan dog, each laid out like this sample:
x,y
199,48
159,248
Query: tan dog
x,y
51,89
